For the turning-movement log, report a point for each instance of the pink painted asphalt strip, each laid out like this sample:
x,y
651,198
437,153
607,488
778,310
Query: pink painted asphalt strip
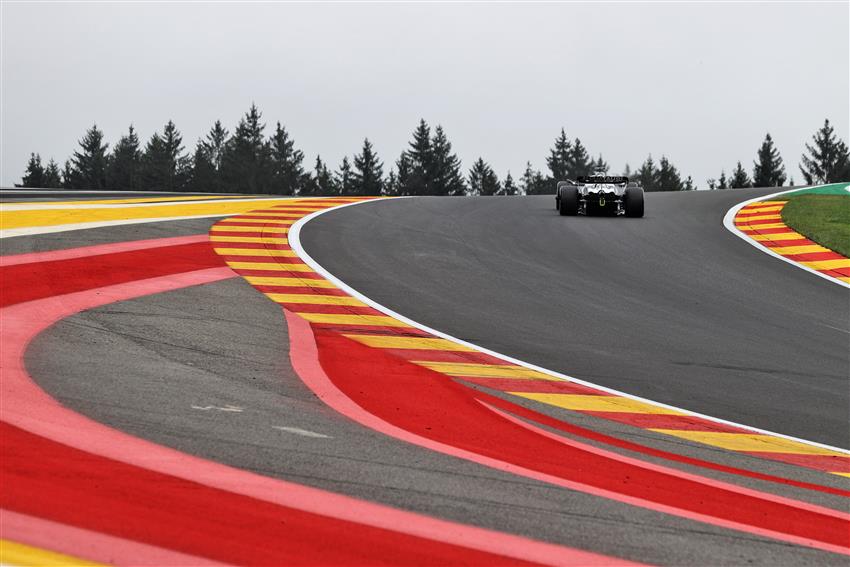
x,y
98,250
305,361
27,406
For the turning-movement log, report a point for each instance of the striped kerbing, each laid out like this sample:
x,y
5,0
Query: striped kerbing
x,y
254,244
762,222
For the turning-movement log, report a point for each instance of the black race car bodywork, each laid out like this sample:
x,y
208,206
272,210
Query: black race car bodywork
x,y
599,194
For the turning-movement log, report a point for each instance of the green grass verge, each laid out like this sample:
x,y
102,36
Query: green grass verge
x,y
824,219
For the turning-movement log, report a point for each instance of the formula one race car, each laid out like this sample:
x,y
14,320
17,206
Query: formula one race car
x,y
599,194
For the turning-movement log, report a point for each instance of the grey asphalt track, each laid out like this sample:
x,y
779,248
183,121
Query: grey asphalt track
x,y
671,307
158,366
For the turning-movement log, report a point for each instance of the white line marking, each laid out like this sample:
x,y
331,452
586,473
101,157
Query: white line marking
x,y
302,432
295,244
226,407
729,223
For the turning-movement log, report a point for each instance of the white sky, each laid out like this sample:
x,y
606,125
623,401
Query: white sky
x,y
699,82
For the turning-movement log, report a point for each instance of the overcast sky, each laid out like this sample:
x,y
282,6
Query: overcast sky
x,y
699,82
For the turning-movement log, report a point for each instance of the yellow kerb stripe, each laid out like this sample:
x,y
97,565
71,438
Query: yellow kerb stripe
x,y
812,248
256,252
580,402
260,221
484,370
298,208
845,279
255,229
758,226
828,264
749,213
340,319
424,343
313,299
289,282
274,216
762,217
270,266
12,553
749,442
262,239
847,474
778,236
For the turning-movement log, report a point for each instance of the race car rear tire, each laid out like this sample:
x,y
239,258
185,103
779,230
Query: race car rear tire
x,y
633,202
558,194
568,201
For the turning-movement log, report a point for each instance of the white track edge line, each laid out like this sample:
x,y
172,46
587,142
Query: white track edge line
x,y
729,223
295,243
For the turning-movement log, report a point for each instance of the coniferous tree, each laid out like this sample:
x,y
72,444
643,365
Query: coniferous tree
x,y
420,162
600,165
647,175
321,182
689,184
509,187
559,160
391,187
89,163
768,170
739,178
68,175
246,164
164,165
52,176
580,162
828,160
344,181
404,175
368,175
207,161
446,176
533,182
668,178
34,174
124,163
627,171
483,180
287,173
722,182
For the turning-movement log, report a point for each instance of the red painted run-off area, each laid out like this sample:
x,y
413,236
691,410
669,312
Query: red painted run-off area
x,y
435,408
46,479
57,484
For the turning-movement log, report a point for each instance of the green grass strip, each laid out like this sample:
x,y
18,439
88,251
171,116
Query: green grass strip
x,y
824,219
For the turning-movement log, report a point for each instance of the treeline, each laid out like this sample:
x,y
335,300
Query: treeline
x,y
826,161
250,161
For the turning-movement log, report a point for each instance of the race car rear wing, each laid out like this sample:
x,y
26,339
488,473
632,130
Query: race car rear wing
x,y
598,179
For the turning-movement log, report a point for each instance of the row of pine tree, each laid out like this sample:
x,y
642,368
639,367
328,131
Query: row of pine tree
x,y
248,161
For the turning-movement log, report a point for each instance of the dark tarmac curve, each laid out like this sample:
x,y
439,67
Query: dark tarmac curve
x,y
671,307
150,366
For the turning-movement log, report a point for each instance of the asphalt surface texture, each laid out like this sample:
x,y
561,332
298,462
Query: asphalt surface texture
x,y
205,370
671,307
